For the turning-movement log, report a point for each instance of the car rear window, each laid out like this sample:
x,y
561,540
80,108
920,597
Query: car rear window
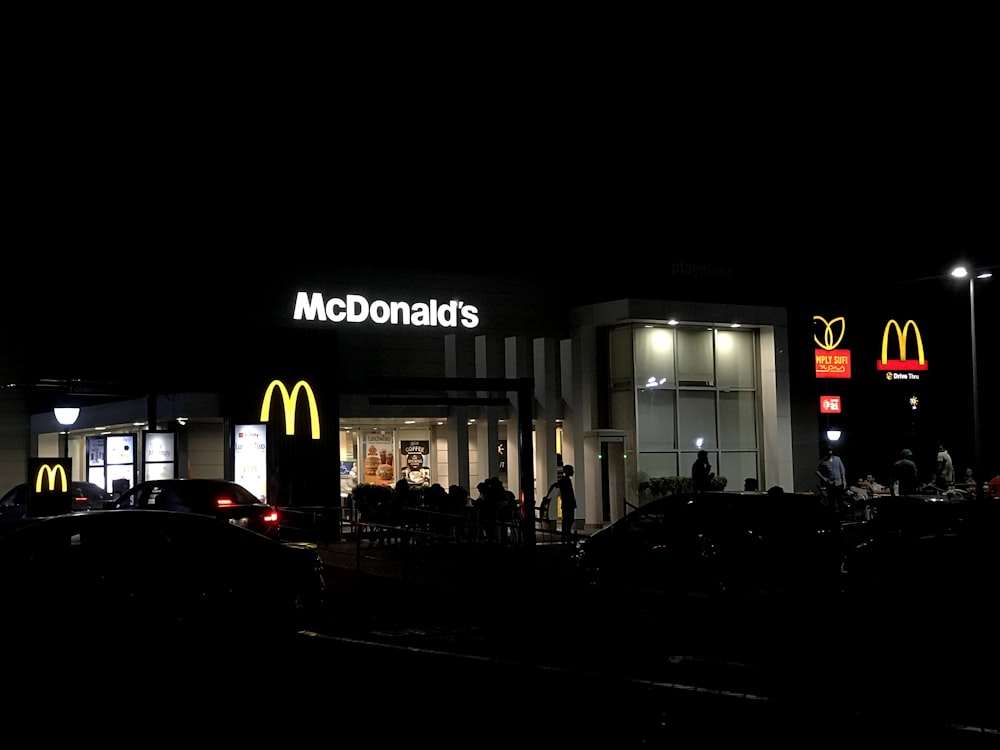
x,y
197,497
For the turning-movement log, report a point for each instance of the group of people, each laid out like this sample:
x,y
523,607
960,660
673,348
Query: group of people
x,y
906,473
493,515
904,477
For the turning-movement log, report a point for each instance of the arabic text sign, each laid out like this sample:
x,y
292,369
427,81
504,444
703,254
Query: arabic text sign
x,y
829,404
835,363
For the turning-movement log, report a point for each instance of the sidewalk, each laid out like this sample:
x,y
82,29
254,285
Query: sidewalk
x,y
483,585
455,566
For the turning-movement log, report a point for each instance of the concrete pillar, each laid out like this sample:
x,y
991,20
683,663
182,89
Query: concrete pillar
x,y
489,361
579,379
459,362
548,408
517,364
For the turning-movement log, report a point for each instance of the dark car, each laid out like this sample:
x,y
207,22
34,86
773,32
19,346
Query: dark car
x,y
220,498
103,576
716,545
930,551
85,496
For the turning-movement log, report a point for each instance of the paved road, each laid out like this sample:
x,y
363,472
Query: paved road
x,y
888,666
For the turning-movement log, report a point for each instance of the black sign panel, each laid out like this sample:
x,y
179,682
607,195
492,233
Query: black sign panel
x,y
50,486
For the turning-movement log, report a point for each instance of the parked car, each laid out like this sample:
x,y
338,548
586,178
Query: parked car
x,y
928,550
85,496
715,545
220,498
107,575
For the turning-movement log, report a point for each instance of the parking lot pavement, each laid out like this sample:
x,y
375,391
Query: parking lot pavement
x,y
497,600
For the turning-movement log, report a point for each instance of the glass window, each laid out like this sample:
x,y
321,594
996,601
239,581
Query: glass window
x,y
735,358
738,420
655,419
658,464
736,468
688,459
620,354
696,420
695,365
654,357
677,390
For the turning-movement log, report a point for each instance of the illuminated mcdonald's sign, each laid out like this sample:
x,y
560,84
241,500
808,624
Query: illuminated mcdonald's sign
x,y
51,472
902,363
289,401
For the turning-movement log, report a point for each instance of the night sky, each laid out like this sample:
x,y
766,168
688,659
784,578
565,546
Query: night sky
x,y
807,202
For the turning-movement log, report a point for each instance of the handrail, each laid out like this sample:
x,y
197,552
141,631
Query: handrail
x,y
416,524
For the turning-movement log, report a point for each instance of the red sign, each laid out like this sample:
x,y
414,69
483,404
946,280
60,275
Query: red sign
x,y
829,404
835,363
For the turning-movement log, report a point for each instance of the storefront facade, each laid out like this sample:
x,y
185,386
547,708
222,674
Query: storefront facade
x,y
453,379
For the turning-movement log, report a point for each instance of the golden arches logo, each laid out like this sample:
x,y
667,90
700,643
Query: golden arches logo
x,y
828,343
289,400
52,472
901,335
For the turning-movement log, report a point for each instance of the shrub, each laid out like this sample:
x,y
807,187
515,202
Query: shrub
x,y
659,486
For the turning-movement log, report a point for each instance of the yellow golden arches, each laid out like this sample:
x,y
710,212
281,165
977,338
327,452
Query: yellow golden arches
x,y
828,343
289,401
52,472
901,335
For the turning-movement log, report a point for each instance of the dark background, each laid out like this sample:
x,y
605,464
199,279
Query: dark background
x,y
817,188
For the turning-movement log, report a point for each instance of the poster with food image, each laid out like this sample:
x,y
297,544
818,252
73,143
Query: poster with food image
x,y
415,462
348,477
379,466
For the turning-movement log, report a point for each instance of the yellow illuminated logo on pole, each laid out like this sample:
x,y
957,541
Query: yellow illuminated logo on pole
x,y
51,472
289,401
901,335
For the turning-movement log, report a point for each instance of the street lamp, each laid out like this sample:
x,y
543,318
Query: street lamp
x,y
961,272
66,415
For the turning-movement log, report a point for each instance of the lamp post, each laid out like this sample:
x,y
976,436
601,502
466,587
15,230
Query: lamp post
x,y
961,272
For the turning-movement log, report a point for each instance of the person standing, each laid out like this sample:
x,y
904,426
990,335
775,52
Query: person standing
x,y
944,474
833,475
701,472
904,474
568,499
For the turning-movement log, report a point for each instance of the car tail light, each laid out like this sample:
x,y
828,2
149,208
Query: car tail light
x,y
223,502
80,498
271,516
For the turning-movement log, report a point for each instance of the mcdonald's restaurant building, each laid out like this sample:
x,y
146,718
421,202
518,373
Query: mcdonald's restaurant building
x,y
320,383
449,379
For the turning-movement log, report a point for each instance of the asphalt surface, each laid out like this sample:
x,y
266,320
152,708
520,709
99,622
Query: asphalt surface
x,y
889,669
